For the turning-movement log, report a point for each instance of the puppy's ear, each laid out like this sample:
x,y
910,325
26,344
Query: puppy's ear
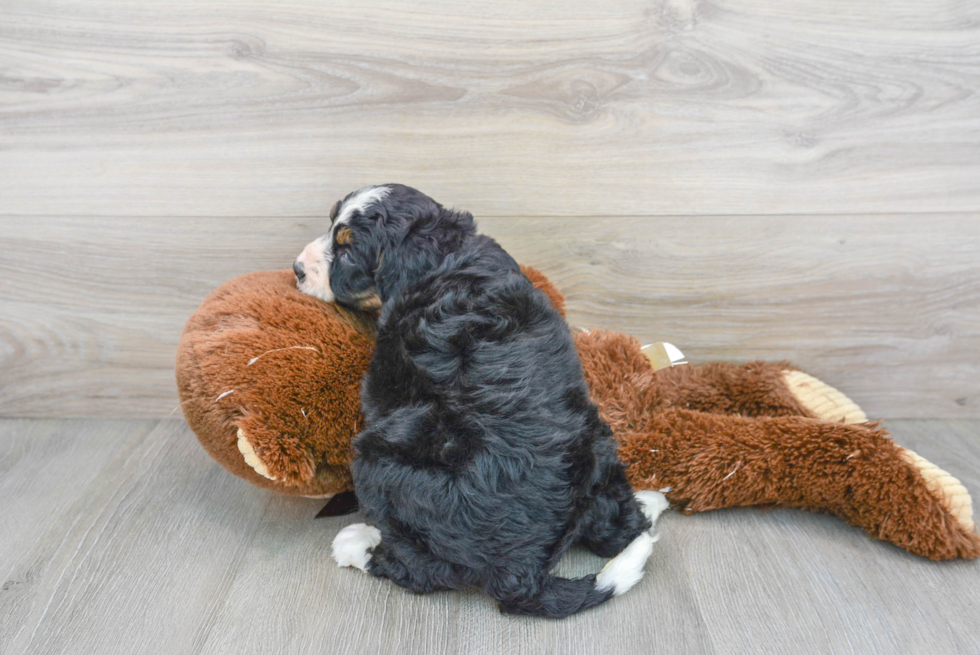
x,y
334,210
466,222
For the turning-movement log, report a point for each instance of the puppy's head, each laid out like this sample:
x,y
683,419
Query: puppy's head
x,y
342,265
336,266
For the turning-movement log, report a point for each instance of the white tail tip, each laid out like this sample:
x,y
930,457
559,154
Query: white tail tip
x,y
626,569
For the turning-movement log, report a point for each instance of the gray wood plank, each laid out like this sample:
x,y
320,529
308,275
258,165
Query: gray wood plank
x,y
44,466
955,595
147,546
886,308
516,108
770,582
345,611
143,556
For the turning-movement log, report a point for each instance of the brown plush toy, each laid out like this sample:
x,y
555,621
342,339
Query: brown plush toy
x,y
269,380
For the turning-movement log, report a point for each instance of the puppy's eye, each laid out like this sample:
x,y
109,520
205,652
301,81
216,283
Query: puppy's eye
x,y
344,236
347,257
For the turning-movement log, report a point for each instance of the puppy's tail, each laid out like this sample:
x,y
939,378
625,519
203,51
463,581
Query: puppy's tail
x,y
561,597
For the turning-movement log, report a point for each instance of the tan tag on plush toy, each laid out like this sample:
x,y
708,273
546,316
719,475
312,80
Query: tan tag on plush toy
x,y
663,355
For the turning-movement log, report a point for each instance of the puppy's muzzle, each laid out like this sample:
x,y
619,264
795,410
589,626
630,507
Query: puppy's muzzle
x,y
312,269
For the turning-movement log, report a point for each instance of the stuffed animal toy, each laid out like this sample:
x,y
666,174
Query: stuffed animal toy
x,y
269,380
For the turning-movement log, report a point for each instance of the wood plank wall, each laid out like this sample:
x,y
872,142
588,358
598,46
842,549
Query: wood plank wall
x,y
749,180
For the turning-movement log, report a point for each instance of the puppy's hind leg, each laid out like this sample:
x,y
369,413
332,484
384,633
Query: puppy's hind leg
x,y
618,516
652,504
614,524
354,545
361,546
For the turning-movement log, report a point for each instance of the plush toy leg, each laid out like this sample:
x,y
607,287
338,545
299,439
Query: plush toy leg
x,y
749,389
955,498
710,461
629,391
824,401
623,381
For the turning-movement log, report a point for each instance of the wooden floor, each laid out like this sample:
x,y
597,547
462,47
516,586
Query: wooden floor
x,y
764,179
122,536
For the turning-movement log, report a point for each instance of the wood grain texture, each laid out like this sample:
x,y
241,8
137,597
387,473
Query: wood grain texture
x,y
127,538
886,308
43,467
514,108
796,578
141,556
349,612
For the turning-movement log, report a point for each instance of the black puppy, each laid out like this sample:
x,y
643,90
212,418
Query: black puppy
x,y
483,458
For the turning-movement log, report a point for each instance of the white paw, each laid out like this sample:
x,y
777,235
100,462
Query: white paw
x,y
351,545
653,504
251,457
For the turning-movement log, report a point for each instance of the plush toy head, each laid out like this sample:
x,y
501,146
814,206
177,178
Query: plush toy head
x,y
256,346
269,380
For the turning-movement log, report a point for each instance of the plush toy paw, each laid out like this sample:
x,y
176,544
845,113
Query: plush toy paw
x,y
826,402
947,489
352,546
652,504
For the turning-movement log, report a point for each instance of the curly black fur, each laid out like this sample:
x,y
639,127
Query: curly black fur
x,y
483,458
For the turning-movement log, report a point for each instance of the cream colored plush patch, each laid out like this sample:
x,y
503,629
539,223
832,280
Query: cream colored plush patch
x,y
944,486
822,399
251,457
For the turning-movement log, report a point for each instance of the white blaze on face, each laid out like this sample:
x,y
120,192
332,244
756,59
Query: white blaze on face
x,y
318,254
360,201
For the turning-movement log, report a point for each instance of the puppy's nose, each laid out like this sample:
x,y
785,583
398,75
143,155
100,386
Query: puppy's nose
x,y
298,270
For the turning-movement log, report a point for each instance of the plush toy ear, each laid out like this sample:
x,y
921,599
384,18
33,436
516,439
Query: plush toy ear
x,y
541,281
268,380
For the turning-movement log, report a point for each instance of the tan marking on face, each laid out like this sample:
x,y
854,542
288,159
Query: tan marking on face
x,y
371,302
368,299
344,236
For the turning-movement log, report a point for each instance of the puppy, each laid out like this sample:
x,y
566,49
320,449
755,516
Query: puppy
x,y
482,459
